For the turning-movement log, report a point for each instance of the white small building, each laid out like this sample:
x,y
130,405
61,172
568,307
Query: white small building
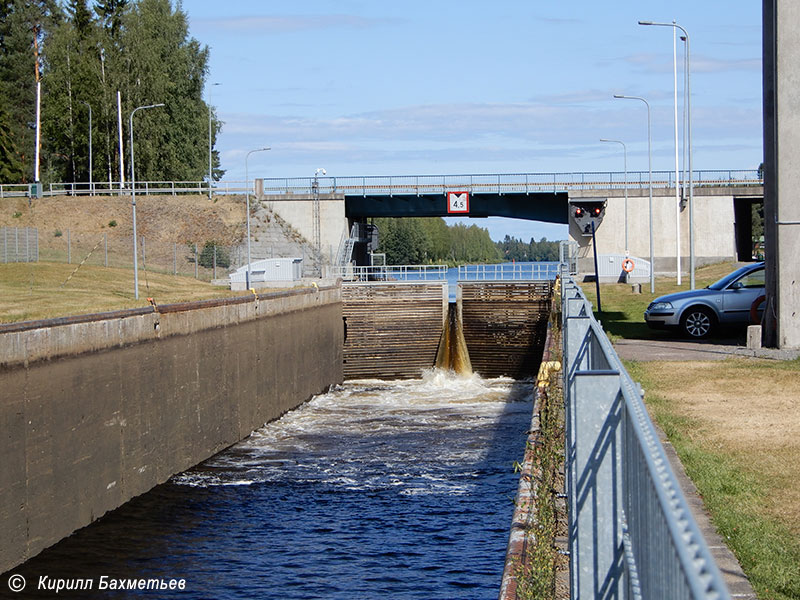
x,y
266,271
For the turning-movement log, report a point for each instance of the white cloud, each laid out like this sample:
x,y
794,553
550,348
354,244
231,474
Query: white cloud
x,y
657,63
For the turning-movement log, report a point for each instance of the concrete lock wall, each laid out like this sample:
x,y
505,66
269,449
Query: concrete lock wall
x,y
714,218
94,413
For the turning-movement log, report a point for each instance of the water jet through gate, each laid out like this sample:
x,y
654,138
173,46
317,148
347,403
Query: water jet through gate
x,y
452,353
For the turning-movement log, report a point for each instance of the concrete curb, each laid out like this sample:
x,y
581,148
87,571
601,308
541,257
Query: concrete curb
x,y
527,490
27,342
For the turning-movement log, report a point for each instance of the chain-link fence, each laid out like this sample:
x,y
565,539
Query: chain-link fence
x,y
19,244
204,259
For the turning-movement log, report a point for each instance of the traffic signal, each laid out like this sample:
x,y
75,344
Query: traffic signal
x,y
586,212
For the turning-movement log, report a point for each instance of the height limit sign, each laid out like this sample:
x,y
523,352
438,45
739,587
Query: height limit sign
x,y
458,202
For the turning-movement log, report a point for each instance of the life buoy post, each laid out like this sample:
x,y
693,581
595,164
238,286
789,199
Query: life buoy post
x,y
755,319
627,265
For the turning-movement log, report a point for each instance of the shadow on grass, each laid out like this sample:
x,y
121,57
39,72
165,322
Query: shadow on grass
x,y
618,324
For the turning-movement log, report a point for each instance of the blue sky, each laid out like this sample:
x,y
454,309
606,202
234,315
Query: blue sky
x,y
445,86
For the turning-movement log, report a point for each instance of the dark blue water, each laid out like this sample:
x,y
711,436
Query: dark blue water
x,y
375,490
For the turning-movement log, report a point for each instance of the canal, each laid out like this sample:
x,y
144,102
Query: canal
x,y
377,489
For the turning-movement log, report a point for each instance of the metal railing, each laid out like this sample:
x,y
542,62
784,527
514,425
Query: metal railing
x,y
525,271
404,184
503,183
631,533
391,273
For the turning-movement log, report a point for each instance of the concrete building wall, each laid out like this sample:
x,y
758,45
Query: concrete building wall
x,y
93,414
781,173
298,211
714,226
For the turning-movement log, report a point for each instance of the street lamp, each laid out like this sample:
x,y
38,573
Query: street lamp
x,y
649,186
625,164
689,135
247,200
210,166
133,203
317,225
91,185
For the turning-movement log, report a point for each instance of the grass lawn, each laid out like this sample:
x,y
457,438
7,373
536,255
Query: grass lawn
x,y
44,290
736,427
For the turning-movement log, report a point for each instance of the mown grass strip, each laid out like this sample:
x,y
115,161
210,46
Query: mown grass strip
x,y
31,291
733,489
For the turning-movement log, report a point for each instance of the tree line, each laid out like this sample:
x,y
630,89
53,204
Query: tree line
x,y
424,240
81,56
514,249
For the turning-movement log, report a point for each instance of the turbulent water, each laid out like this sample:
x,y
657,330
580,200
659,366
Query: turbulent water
x,y
377,489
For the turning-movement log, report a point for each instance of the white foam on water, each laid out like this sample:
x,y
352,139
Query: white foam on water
x,y
373,435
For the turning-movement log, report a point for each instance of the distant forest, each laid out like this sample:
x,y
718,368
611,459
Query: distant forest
x,y
416,240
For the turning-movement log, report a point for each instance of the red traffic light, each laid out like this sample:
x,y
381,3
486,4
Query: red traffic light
x,y
578,213
597,210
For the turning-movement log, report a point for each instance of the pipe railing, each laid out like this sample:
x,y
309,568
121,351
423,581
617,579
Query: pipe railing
x,y
631,534
513,271
390,273
404,184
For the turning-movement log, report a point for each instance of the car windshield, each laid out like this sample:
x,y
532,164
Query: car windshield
x,y
725,281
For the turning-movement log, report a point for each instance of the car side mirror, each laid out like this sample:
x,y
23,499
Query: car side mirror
x,y
737,285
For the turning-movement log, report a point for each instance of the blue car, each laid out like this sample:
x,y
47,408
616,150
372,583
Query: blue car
x,y
697,313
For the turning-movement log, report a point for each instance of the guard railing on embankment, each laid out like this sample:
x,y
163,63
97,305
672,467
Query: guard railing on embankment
x,y
631,534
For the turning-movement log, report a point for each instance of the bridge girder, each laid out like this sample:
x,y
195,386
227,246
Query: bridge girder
x,y
550,207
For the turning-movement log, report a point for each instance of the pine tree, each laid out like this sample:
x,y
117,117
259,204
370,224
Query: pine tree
x,y
72,80
166,66
11,167
111,13
24,27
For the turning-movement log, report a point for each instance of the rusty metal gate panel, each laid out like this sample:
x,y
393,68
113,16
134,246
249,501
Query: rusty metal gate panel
x,y
392,330
505,325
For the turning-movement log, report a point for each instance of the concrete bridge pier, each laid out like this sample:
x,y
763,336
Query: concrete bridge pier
x,y
319,219
723,229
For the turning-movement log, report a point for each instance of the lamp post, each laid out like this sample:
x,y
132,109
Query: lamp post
x,y
649,186
210,165
317,218
625,165
247,201
689,135
133,203
91,184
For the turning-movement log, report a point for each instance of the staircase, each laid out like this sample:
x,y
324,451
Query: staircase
x,y
271,236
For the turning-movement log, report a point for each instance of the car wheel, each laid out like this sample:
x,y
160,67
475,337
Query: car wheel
x,y
697,322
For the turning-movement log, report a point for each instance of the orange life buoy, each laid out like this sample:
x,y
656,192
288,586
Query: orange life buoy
x,y
754,318
627,265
